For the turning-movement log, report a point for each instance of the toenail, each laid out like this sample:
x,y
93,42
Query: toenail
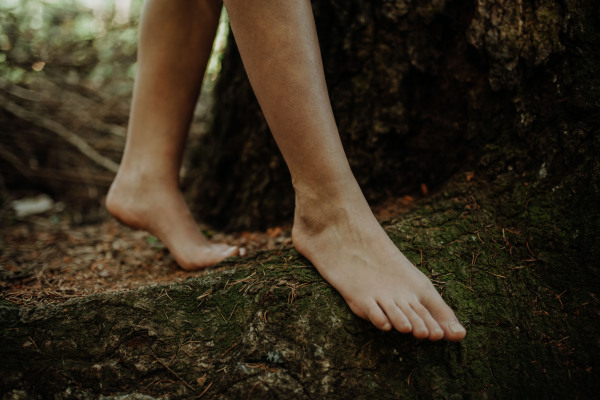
x,y
456,327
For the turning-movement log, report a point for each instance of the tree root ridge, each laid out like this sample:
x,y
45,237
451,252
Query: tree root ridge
x,y
238,331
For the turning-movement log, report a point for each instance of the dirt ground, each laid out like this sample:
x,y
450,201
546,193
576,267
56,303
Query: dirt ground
x,y
50,257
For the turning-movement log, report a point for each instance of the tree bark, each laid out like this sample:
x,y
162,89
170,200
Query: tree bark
x,y
418,89
510,239
269,327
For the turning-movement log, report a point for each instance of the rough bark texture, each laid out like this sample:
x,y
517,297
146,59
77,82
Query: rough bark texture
x,y
418,88
510,240
270,328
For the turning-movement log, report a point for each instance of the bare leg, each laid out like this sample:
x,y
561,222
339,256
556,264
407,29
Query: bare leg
x,y
174,46
334,227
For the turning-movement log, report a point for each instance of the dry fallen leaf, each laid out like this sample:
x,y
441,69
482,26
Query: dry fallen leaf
x,y
273,232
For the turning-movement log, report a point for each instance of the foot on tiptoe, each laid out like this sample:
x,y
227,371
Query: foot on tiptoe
x,y
161,210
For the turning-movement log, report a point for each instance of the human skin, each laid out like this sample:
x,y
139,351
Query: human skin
x,y
174,45
333,225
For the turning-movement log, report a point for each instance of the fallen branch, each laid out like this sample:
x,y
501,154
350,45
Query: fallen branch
x,y
86,118
61,131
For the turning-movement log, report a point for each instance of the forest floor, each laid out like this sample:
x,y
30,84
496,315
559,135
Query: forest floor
x,y
49,258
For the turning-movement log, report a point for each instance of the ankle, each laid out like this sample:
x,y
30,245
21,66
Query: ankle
x,y
336,191
320,207
147,174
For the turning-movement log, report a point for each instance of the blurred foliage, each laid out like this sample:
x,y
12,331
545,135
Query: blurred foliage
x,y
70,65
85,42
81,42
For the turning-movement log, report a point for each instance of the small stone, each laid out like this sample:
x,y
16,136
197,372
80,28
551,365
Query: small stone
x,y
543,172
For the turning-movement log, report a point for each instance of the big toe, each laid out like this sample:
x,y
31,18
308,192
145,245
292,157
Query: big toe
x,y
445,317
227,251
219,252
454,331
206,256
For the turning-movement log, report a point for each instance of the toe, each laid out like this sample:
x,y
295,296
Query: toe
x,y
231,251
377,316
396,316
435,331
419,330
454,331
222,251
443,314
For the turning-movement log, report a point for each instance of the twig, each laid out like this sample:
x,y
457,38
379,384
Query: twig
x,y
468,287
163,381
409,375
174,356
229,349
34,345
366,344
222,316
171,371
163,293
204,296
480,238
563,339
493,377
246,279
205,390
562,307
151,383
252,390
474,260
232,311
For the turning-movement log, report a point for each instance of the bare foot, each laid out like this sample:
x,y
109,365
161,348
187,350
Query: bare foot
x,y
342,238
159,208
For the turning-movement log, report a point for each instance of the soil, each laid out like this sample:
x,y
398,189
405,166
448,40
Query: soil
x,y
52,257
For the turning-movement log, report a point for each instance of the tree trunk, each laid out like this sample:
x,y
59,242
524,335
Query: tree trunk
x,y
510,239
418,89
